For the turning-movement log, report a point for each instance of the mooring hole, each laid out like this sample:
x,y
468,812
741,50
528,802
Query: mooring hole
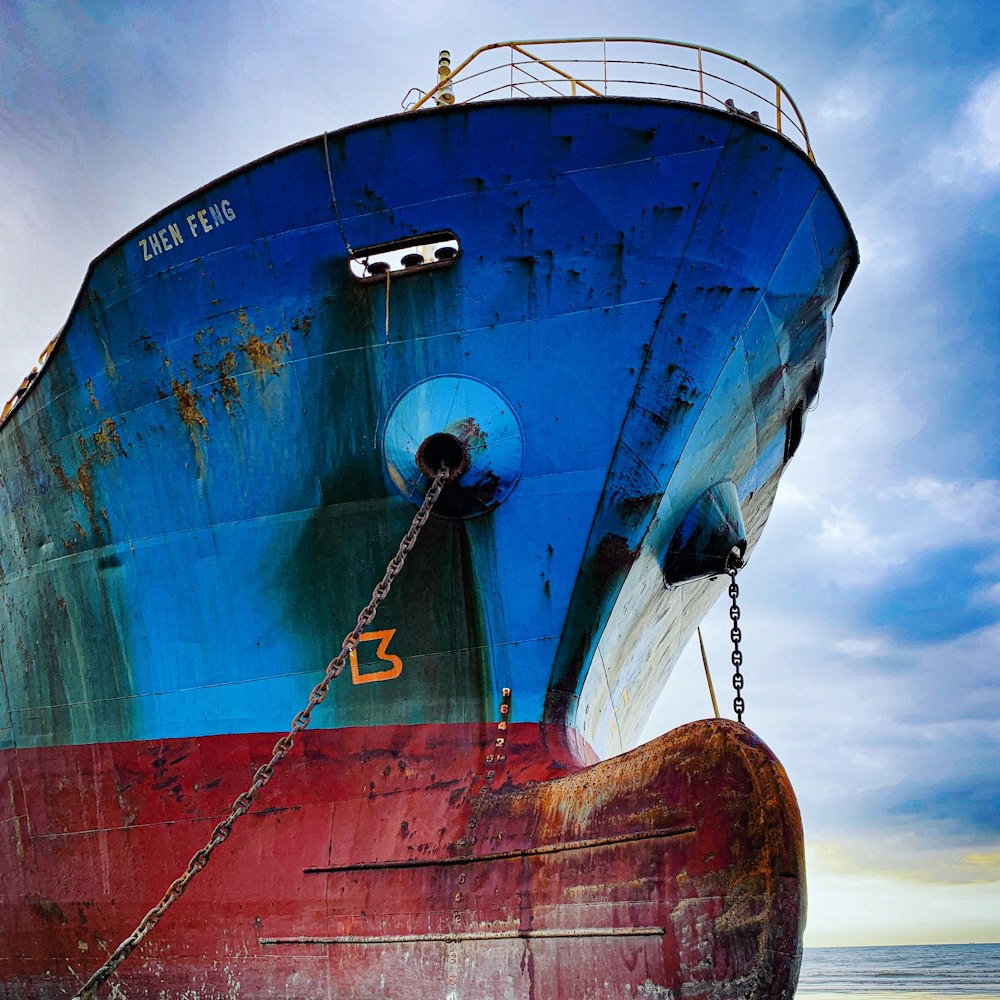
x,y
793,429
442,449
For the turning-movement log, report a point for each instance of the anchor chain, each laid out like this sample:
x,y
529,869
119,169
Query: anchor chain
x,y
736,635
262,776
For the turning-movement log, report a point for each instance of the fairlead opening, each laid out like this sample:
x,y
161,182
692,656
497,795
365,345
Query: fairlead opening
x,y
464,424
442,449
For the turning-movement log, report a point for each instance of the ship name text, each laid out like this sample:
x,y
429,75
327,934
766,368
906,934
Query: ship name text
x,y
198,223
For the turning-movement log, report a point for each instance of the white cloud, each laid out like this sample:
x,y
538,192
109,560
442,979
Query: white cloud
x,y
845,534
972,506
970,154
886,244
873,532
851,102
860,647
852,503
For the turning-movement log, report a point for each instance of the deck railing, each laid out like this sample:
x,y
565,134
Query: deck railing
x,y
571,67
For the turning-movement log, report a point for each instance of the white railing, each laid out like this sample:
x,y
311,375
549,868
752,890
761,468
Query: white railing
x,y
574,67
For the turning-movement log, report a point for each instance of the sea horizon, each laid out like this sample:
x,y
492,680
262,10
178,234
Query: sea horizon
x,y
901,972
909,944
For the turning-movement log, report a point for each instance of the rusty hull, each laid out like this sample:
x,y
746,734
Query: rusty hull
x,y
389,864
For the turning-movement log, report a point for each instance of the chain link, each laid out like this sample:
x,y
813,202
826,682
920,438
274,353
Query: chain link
x,y
736,635
262,776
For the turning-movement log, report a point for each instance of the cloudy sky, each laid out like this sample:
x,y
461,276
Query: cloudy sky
x,y
872,605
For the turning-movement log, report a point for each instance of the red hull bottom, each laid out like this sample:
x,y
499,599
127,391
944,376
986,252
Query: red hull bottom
x,y
426,863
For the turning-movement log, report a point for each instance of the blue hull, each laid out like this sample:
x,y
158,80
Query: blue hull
x,y
199,490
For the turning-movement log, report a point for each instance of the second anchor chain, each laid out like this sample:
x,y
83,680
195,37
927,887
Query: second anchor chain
x,y
245,800
739,705
734,563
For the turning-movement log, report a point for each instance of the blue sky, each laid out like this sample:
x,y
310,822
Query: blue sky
x,y
872,605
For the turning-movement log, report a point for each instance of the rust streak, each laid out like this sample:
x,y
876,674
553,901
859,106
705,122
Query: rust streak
x,y
229,388
106,440
187,404
93,399
266,358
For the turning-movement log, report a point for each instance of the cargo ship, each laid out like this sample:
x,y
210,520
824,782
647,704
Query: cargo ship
x,y
594,282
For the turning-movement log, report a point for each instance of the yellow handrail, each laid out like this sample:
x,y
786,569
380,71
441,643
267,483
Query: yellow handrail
x,y
555,69
785,110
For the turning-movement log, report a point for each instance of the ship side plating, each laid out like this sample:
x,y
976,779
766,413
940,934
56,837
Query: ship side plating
x,y
648,285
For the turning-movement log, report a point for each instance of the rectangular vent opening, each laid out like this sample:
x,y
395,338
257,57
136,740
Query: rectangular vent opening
x,y
427,252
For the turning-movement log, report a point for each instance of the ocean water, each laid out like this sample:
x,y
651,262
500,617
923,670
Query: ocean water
x,y
911,972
